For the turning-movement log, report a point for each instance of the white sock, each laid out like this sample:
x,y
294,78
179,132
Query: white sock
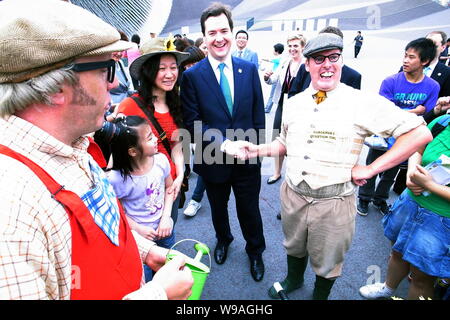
x,y
387,290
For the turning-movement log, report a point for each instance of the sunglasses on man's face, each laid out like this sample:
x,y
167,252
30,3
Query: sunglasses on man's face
x,y
88,66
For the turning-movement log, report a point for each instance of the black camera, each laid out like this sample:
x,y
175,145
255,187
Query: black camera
x,y
107,133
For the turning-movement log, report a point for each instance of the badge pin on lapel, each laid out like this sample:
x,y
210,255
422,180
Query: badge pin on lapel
x,y
439,74
240,70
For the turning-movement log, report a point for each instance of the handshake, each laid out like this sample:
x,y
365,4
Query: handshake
x,y
242,150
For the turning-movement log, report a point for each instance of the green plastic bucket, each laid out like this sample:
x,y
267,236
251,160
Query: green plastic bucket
x,y
199,270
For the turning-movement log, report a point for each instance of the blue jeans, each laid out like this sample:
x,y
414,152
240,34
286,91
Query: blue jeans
x,y
270,101
165,243
199,190
174,213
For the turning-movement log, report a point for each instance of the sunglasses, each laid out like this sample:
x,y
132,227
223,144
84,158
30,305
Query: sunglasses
x,y
334,57
88,66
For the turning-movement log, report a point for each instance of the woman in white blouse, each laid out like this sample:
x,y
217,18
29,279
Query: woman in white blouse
x,y
283,78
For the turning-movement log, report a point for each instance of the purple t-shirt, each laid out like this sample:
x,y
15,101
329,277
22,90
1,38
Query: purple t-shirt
x,y
408,95
143,196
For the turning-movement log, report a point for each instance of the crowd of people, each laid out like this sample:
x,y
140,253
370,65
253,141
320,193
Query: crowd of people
x,y
97,135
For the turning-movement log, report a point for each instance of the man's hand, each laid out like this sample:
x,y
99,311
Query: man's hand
x,y
267,75
175,278
442,105
156,257
419,110
242,150
360,174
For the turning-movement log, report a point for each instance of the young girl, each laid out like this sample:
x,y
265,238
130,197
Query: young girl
x,y
141,179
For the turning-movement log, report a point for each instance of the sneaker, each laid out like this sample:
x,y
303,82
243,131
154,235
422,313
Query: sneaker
x,y
382,206
376,291
362,207
192,208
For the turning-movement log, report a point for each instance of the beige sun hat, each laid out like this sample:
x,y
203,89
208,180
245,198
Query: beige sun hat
x,y
39,36
152,48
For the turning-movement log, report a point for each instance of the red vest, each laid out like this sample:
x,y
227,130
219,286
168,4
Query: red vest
x,y
100,270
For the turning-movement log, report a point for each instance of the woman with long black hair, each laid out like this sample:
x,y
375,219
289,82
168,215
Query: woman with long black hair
x,y
157,100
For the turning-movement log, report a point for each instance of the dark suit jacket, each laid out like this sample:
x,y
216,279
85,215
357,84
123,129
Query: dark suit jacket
x,y
349,76
203,101
441,74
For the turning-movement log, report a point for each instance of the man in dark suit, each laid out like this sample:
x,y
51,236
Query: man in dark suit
x,y
438,71
241,48
224,93
302,80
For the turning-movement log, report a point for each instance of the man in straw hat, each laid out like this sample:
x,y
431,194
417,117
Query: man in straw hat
x,y
323,140
63,234
223,94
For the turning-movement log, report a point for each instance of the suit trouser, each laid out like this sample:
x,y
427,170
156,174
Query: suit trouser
x,y
368,191
245,181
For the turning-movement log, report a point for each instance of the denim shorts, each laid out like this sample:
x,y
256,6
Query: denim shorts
x,y
420,235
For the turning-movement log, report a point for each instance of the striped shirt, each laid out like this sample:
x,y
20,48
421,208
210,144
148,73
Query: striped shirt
x,y
323,142
35,232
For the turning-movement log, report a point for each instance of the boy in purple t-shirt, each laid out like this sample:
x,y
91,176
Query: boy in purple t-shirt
x,y
416,97
412,91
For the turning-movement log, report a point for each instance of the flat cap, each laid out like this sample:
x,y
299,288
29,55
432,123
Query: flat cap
x,y
39,36
324,41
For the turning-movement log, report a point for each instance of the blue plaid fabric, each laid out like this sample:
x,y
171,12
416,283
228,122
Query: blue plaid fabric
x,y
102,204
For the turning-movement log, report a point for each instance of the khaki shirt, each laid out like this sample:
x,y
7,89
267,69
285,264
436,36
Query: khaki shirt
x,y
35,232
323,142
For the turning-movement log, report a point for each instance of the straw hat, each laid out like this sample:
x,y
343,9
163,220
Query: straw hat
x,y
152,48
40,36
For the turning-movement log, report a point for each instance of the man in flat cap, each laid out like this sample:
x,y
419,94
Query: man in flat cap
x,y
63,234
322,141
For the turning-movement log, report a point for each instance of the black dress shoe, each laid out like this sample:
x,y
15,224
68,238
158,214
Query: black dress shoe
x,y
272,180
257,268
220,252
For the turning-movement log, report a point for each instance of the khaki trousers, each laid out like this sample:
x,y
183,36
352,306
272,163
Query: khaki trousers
x,y
322,228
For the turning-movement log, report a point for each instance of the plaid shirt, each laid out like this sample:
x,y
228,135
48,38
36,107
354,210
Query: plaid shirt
x,y
35,232
323,141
